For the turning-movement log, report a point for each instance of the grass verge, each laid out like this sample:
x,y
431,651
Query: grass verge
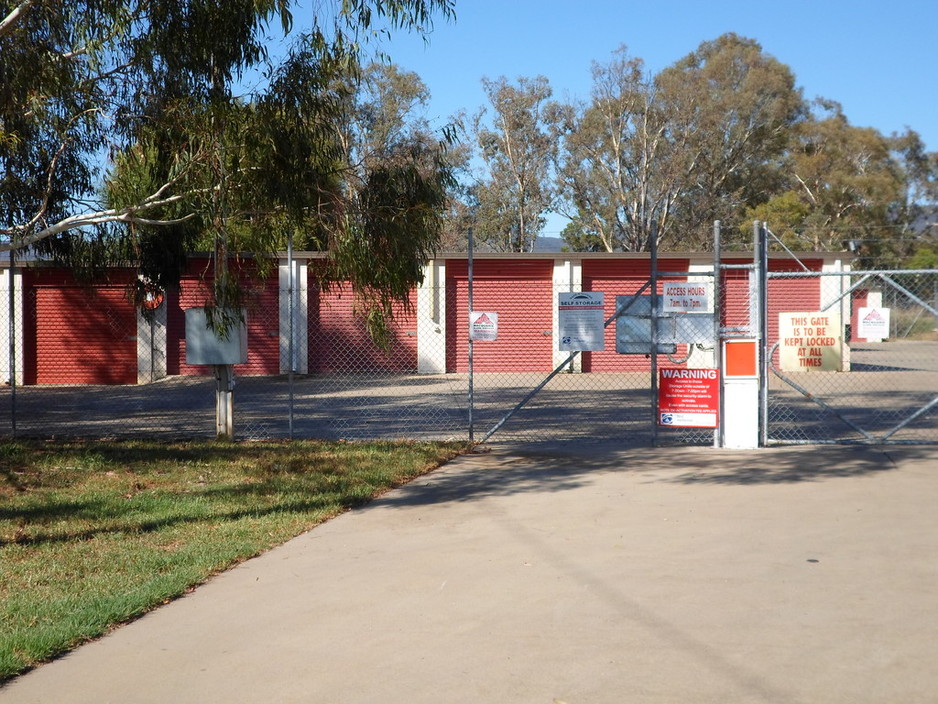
x,y
97,533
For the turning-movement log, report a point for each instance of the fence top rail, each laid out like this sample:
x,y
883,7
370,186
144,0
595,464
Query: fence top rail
x,y
856,272
683,274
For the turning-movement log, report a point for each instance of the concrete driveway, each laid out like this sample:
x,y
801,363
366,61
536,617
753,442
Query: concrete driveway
x,y
600,576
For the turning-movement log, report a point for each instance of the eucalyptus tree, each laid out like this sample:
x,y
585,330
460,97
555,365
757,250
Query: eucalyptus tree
x,y
516,149
699,141
844,183
614,166
397,183
122,134
918,214
731,110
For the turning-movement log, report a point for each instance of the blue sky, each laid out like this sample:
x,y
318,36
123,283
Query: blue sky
x,y
878,59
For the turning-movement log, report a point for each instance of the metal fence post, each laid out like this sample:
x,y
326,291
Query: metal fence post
x,y
469,332
654,332
291,312
718,437
11,277
761,256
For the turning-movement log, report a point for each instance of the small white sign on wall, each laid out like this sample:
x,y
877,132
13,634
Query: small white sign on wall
x,y
483,326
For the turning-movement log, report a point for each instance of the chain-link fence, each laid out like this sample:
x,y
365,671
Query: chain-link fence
x,y
83,362
857,360
80,361
433,381
339,383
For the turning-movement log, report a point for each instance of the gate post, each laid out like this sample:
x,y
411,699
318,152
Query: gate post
x,y
742,359
224,401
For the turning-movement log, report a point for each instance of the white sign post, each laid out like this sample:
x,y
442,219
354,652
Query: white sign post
x,y
581,319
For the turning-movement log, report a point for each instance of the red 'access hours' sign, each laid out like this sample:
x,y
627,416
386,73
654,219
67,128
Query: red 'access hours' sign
x,y
688,398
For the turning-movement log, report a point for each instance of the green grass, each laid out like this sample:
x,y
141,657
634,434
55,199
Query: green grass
x,y
96,533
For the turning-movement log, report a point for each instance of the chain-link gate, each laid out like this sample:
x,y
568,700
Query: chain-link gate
x,y
607,394
867,372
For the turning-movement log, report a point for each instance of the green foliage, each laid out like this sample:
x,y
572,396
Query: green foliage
x,y
672,152
730,108
613,175
401,220
579,237
50,109
785,213
152,86
924,257
724,134
844,183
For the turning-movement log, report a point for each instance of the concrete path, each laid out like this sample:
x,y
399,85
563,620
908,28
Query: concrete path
x,y
670,575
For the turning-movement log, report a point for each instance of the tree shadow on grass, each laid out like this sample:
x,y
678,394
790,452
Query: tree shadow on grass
x,y
39,521
504,472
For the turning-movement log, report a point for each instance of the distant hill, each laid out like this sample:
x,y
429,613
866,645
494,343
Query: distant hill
x,y
548,244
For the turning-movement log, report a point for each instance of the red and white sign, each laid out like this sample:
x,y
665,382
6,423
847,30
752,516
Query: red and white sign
x,y
811,341
688,398
483,326
874,324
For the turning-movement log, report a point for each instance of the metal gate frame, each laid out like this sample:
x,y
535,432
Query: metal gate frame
x,y
652,285
762,235
868,438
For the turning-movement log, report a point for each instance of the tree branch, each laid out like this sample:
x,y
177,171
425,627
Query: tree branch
x,y
127,215
8,24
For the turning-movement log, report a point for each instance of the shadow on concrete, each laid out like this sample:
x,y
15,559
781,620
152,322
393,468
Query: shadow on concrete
x,y
786,465
506,472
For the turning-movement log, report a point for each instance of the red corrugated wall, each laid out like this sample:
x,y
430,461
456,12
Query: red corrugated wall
x,y
858,299
78,334
521,292
734,298
74,334
784,295
339,341
792,295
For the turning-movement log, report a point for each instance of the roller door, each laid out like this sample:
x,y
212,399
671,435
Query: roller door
x,y
339,341
85,336
263,325
521,292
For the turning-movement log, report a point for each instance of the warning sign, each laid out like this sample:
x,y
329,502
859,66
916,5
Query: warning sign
x,y
810,342
483,326
688,398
